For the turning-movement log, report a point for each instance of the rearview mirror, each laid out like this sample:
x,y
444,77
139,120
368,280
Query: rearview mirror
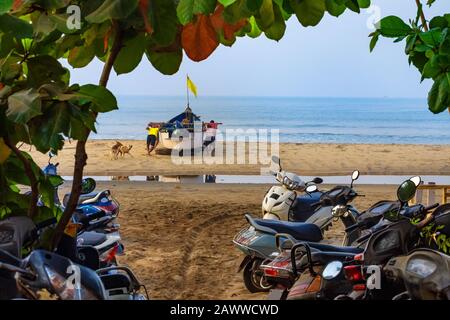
x,y
276,160
355,176
312,188
417,180
407,190
88,185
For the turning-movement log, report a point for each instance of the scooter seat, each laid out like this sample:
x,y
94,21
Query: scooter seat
x,y
81,199
299,230
303,208
91,238
331,248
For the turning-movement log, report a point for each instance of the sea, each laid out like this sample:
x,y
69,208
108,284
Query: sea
x,y
298,119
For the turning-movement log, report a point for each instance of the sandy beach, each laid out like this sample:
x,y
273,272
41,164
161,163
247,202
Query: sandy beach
x,y
304,159
178,237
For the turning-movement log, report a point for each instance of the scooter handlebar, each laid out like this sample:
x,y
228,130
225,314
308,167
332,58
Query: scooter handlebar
x,y
353,227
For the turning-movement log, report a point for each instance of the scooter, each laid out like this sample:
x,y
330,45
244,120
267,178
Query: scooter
x,y
24,278
258,241
282,202
425,273
96,215
63,279
394,235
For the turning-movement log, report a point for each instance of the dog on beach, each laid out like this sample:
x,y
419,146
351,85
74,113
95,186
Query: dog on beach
x,y
120,150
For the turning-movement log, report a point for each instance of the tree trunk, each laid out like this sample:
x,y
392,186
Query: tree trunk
x,y
80,154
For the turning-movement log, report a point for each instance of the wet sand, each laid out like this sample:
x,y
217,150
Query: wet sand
x,y
304,159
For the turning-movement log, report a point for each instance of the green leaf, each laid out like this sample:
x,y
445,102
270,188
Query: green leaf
x,y
44,69
308,12
19,28
432,38
278,28
439,96
364,3
101,98
60,22
55,123
186,9
393,27
265,16
374,40
131,54
43,26
226,3
255,31
112,9
10,68
80,57
165,22
334,8
167,63
23,106
5,6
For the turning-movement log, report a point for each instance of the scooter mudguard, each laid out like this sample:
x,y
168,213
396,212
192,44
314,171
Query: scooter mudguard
x,y
245,261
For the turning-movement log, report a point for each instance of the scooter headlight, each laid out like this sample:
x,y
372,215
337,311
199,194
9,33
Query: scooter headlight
x,y
66,289
290,184
421,267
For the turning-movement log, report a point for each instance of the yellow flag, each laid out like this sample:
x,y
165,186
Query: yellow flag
x,y
192,86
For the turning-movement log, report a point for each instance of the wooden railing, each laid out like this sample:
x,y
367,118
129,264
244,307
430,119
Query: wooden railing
x,y
428,194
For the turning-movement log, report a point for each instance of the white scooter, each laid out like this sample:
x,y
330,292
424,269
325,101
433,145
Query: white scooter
x,y
282,200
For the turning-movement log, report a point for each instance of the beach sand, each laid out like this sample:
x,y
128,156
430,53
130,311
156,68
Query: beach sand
x,y
178,237
304,159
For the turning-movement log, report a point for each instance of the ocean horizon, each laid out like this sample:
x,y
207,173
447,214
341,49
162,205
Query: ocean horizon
x,y
298,119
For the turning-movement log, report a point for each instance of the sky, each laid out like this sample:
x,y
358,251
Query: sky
x,y
329,60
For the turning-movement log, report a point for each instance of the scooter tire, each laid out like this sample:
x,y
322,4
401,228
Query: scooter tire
x,y
252,280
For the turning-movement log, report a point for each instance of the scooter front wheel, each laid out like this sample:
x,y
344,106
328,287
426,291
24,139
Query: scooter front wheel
x,y
254,277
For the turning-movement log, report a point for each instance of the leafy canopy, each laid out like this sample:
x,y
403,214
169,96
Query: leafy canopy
x,y
40,106
428,49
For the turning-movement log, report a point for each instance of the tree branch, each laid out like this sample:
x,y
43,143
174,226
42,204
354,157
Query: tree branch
x,y
422,15
32,210
80,154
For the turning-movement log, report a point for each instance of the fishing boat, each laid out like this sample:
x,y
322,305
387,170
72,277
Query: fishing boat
x,y
186,121
168,131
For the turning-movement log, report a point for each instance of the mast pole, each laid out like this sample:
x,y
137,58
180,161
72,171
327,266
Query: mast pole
x,y
187,90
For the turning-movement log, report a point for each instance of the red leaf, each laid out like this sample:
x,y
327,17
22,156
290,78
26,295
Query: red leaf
x,y
17,4
220,24
106,40
1,86
217,19
199,39
143,8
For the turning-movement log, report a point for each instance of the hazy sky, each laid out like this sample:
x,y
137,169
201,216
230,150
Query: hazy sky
x,y
330,60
